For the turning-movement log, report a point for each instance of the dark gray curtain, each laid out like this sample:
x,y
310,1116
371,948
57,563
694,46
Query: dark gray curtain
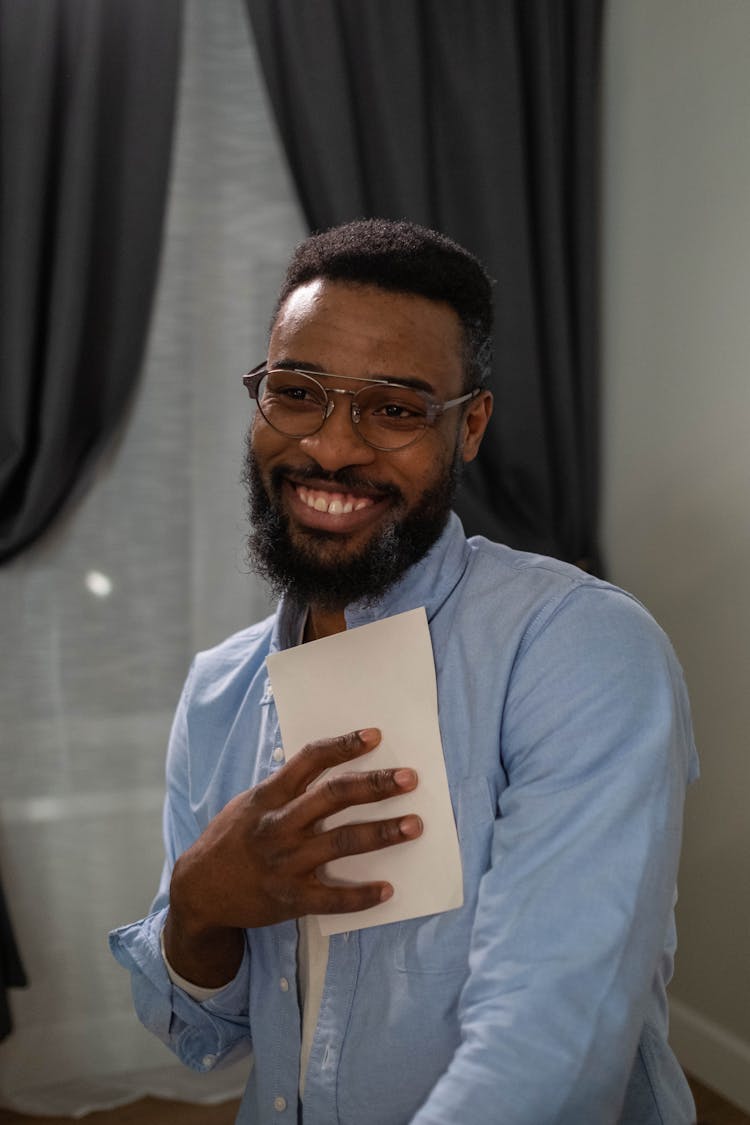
x,y
87,96
478,118
12,974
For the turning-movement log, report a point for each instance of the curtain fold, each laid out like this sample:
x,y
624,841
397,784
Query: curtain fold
x,y
12,973
87,96
479,119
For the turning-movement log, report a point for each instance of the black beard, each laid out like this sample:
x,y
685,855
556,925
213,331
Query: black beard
x,y
303,575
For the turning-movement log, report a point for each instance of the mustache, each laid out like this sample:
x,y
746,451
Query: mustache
x,y
345,478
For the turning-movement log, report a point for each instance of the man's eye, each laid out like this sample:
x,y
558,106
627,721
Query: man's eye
x,y
299,394
398,411
292,394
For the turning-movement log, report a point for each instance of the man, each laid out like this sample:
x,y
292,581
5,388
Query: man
x,y
567,745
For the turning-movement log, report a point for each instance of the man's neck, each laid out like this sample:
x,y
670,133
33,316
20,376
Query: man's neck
x,y
323,623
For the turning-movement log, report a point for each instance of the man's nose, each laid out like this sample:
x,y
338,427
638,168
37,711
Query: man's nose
x,y
336,444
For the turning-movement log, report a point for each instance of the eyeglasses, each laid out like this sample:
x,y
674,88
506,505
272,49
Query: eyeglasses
x,y
387,416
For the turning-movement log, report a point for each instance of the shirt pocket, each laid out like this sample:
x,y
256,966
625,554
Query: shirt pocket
x,y
439,943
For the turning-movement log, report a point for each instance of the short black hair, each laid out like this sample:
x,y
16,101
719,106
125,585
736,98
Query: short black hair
x,y
404,258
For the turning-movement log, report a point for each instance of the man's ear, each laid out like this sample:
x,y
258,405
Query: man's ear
x,y
475,423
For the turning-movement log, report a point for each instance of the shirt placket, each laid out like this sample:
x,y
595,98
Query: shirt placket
x,y
276,1009
320,1106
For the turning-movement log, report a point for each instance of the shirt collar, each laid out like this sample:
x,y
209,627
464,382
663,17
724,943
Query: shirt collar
x,y
428,583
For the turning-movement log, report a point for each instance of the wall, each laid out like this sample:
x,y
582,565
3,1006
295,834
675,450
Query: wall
x,y
676,342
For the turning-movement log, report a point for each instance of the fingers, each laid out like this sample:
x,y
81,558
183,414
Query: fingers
x,y
346,900
339,791
355,839
312,760
281,816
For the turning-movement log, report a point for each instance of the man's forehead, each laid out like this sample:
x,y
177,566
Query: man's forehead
x,y
346,298
302,300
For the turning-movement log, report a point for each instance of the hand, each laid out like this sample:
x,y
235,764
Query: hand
x,y
256,863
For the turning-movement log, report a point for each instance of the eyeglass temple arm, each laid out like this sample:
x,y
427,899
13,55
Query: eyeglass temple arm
x,y
457,401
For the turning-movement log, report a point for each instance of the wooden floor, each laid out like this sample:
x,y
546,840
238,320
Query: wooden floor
x,y
149,1111
712,1110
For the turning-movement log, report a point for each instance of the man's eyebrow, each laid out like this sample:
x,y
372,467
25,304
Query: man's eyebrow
x,y
316,369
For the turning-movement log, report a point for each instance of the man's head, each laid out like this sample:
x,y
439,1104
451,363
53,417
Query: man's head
x,y
335,519
403,257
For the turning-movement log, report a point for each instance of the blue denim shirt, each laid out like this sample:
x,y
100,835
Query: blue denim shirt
x,y
568,749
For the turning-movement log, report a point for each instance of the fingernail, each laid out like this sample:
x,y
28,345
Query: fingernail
x,y
386,893
369,734
405,779
410,826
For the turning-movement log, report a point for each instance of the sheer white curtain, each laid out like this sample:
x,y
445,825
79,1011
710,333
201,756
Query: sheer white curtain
x,y
100,621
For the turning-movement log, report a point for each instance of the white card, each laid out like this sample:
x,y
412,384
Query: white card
x,y
379,675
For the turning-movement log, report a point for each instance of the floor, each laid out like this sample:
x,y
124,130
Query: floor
x,y
149,1111
712,1110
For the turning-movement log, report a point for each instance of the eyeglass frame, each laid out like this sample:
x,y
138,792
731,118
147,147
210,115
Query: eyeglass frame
x,y
435,408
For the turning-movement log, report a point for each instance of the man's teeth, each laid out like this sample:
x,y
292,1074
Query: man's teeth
x,y
335,503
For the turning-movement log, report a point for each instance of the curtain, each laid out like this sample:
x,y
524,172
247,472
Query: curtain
x,y
12,974
86,106
479,119
87,94
101,616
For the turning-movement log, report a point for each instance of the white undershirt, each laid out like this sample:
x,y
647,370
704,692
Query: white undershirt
x,y
312,961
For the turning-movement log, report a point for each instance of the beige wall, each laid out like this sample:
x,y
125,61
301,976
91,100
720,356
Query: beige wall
x,y
676,498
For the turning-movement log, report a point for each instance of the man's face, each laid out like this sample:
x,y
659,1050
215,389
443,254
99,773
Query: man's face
x,y
335,520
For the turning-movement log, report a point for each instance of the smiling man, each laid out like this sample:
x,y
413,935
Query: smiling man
x,y
343,511
565,731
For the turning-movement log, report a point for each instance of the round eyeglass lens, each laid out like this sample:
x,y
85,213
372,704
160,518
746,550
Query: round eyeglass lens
x,y
390,416
291,402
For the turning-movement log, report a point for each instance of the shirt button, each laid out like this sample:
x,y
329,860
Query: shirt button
x,y
278,754
208,1060
279,1104
284,984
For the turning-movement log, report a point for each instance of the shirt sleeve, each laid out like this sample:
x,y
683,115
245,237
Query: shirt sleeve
x,y
203,1034
574,911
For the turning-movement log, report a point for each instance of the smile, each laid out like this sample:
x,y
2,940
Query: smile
x,y
319,506
334,503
